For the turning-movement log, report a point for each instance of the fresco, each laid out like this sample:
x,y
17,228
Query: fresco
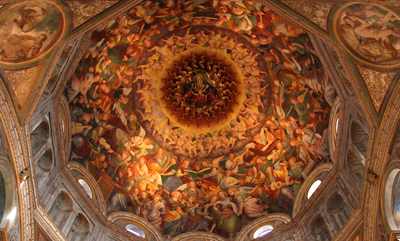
x,y
199,115
28,31
371,33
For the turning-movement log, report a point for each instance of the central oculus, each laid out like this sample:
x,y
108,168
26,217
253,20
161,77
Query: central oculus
x,y
201,88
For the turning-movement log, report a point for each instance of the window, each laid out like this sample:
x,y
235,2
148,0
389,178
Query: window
x,y
337,125
136,230
262,231
313,188
86,187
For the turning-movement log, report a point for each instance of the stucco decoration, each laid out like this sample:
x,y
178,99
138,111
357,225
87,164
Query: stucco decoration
x,y
199,116
369,32
21,83
316,12
82,11
377,84
29,31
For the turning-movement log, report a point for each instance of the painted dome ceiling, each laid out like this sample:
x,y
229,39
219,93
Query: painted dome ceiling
x,y
199,115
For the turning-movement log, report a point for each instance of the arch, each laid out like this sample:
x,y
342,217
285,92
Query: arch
x,y
40,136
321,172
44,166
355,165
135,229
335,203
98,197
318,228
86,187
9,199
122,218
262,231
359,137
200,236
313,188
61,209
80,229
64,120
335,130
275,219
45,162
336,212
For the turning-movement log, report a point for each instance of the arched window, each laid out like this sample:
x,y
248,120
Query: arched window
x,y
262,231
86,187
136,230
313,188
336,125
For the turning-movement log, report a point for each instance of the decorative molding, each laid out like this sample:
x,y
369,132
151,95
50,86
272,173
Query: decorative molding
x,y
65,145
377,84
372,177
20,160
200,236
3,234
335,149
378,161
82,11
43,219
316,12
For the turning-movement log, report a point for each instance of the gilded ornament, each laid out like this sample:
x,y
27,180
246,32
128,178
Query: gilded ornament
x,y
83,11
377,84
22,89
316,12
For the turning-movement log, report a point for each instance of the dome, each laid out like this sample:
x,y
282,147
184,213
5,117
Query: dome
x,y
199,120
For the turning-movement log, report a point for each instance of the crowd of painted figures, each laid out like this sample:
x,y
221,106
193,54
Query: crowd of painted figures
x,y
174,192
206,92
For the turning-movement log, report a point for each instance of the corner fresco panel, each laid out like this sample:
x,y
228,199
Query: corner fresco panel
x,y
370,33
29,30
